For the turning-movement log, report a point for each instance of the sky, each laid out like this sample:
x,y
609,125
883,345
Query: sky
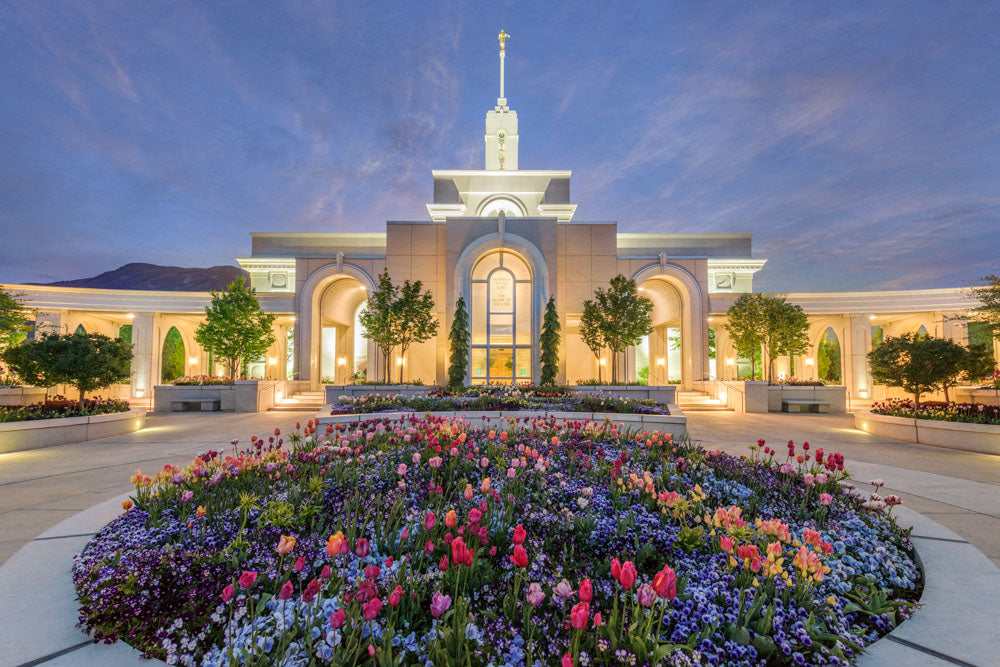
x,y
858,142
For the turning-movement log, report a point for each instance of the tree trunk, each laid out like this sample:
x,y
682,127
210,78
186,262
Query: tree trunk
x,y
402,355
916,401
81,396
600,375
946,399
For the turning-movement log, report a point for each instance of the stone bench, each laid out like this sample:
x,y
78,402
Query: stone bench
x,y
195,405
804,405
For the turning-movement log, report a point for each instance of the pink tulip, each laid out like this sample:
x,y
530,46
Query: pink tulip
x,y
430,521
361,548
371,608
825,499
647,596
665,583
337,619
534,594
228,592
312,588
395,596
247,579
286,591
586,591
439,604
579,614
563,590
567,660
300,563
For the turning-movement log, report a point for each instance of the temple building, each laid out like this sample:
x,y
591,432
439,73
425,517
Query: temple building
x,y
505,239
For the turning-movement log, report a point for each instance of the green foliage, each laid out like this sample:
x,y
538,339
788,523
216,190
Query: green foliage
x,y
987,292
746,324
125,333
767,322
978,363
915,363
235,327
86,361
624,317
414,318
591,332
828,364
550,344
379,320
172,357
458,339
12,320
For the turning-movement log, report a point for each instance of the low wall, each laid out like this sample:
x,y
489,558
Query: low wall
x,y
18,396
675,423
982,438
761,397
35,434
665,394
335,391
974,395
242,396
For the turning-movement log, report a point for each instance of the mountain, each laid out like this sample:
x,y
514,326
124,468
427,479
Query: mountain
x,y
138,276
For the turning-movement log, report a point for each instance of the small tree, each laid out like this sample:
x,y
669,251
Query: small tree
x,y
85,360
379,320
414,318
746,326
987,293
549,342
12,320
592,332
916,363
235,328
785,331
626,317
978,363
458,338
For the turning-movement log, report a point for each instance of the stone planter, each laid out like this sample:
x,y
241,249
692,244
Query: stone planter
x,y
761,397
242,396
665,394
39,433
20,396
982,438
976,395
335,391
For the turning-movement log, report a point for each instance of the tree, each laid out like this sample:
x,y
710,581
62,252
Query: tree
x,y
379,320
458,338
592,332
85,360
414,318
625,317
549,342
915,363
12,320
978,363
235,328
987,293
746,326
786,328
172,360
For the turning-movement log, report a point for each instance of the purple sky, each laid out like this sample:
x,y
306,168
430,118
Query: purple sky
x,y
858,142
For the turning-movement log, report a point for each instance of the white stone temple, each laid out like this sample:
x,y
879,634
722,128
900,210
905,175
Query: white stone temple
x,y
506,239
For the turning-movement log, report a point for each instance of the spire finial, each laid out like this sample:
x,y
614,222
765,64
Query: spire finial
x,y
503,41
502,101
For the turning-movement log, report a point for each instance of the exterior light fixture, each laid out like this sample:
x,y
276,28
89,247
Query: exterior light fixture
x,y
809,362
193,360
730,361
604,362
139,393
711,319
722,396
660,361
863,393
342,361
271,361
871,317
131,316
399,361
292,318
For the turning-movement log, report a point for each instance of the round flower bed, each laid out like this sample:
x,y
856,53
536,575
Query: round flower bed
x,y
428,542
480,400
970,413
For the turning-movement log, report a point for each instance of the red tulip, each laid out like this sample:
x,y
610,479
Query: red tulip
x,y
361,547
579,614
598,621
228,592
460,553
443,564
628,575
395,596
371,608
326,572
586,591
286,591
247,579
520,556
312,588
567,660
430,521
300,563
665,583
519,534
372,571
616,569
338,618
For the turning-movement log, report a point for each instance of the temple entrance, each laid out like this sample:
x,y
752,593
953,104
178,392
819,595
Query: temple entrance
x,y
500,319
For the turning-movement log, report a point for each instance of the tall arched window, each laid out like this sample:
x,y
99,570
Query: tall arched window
x,y
500,327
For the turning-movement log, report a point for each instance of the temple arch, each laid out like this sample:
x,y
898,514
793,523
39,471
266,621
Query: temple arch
x,y
829,357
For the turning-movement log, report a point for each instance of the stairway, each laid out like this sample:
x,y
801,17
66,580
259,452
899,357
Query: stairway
x,y
699,401
302,401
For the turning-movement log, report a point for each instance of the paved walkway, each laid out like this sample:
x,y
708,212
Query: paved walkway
x,y
40,488
959,490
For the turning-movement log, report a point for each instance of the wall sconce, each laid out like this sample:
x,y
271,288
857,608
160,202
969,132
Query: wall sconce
x,y
292,318
871,317
809,362
399,361
193,361
342,361
863,393
722,396
730,361
139,393
660,361
604,362
131,316
272,361
711,319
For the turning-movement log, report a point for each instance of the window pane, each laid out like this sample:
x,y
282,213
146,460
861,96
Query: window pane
x,y
501,362
485,265
523,313
478,365
517,266
523,369
501,292
501,329
477,328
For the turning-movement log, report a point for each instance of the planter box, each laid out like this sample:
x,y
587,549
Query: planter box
x,y
20,396
335,391
22,436
982,438
242,396
835,395
665,394
761,397
975,395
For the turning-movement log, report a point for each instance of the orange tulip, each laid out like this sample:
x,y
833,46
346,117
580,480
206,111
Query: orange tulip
x,y
201,511
285,544
333,544
127,505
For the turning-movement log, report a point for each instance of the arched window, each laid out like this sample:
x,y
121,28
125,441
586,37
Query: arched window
x,y
509,207
828,357
921,332
500,327
360,345
172,356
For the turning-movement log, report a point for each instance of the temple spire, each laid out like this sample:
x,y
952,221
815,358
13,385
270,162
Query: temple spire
x,y
502,101
501,125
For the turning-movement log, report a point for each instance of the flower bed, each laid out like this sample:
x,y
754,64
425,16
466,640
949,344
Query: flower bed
x,y
969,413
201,380
491,400
417,541
61,407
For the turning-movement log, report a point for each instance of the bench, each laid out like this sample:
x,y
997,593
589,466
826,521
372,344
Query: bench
x,y
196,405
804,405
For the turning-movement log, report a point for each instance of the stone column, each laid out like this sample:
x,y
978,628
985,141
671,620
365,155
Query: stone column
x,y
860,340
49,322
955,330
145,356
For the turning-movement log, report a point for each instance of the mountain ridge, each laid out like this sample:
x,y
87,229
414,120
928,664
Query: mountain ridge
x,y
143,276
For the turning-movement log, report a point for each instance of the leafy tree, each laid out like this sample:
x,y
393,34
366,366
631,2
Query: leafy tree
x,y
785,332
828,358
918,364
978,363
458,338
549,341
379,320
987,293
85,360
746,326
173,363
12,320
592,331
625,317
414,318
235,328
